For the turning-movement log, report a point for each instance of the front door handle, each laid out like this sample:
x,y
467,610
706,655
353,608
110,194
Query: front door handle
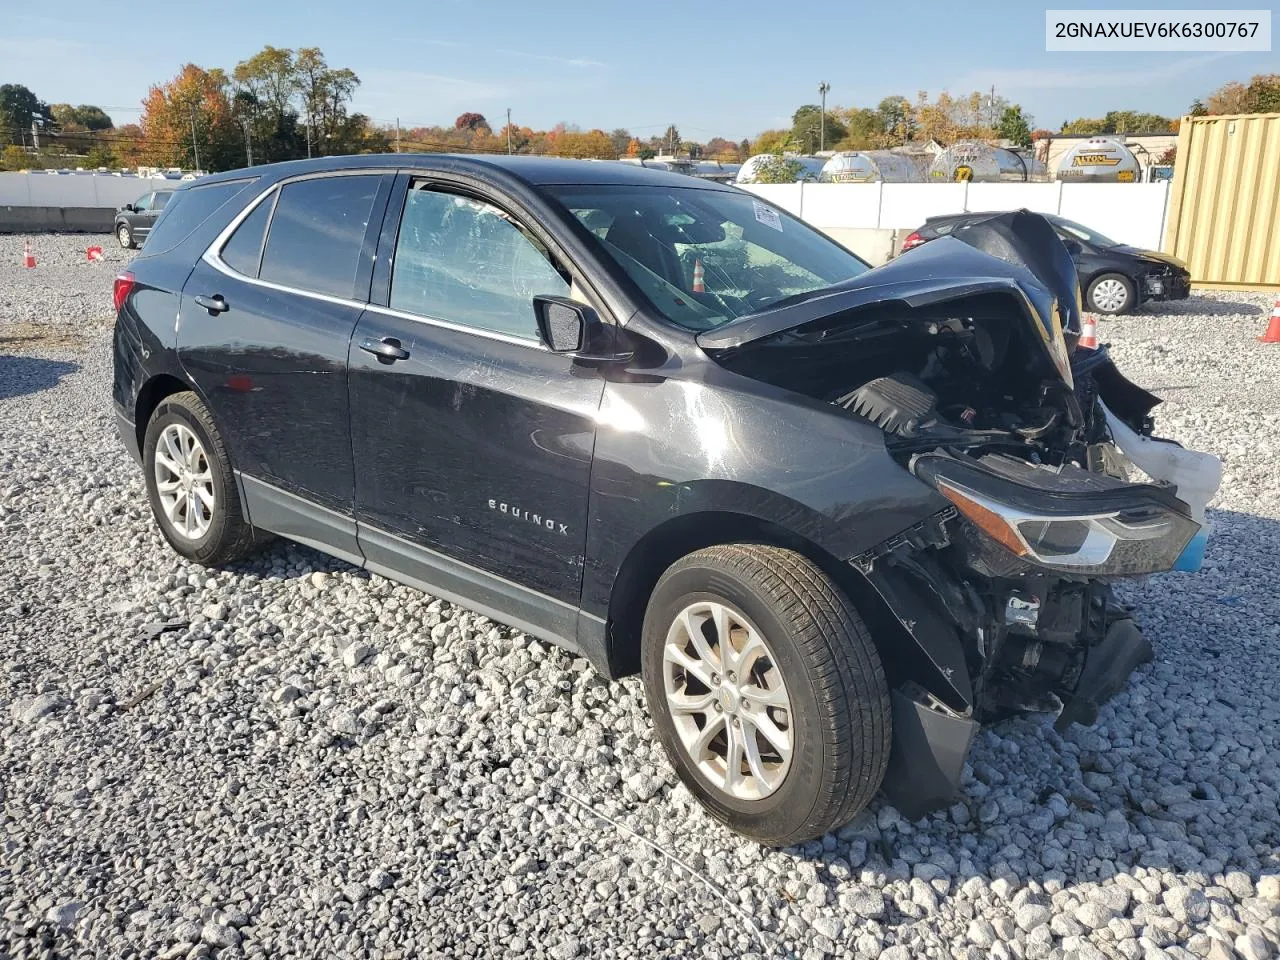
x,y
388,349
215,304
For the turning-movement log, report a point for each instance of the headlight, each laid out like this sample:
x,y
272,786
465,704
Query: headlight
x,y
1072,521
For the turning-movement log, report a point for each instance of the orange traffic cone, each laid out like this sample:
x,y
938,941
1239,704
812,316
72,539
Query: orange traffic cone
x,y
28,258
698,285
1273,328
1088,332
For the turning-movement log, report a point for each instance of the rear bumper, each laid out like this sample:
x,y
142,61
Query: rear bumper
x,y
128,435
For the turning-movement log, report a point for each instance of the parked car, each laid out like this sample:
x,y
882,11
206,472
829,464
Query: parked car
x,y
1115,277
134,220
836,517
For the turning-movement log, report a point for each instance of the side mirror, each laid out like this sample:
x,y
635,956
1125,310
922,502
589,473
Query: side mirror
x,y
128,208
572,328
1073,247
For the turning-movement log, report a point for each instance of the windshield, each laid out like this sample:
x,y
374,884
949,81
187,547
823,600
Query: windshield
x,y
1084,233
706,257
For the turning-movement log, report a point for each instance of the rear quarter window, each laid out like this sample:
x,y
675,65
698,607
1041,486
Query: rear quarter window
x,y
186,210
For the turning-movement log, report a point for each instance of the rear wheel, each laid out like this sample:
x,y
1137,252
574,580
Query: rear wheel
x,y
190,484
125,235
766,691
1111,293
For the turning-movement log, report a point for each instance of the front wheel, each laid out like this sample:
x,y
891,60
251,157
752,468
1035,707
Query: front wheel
x,y
190,484
766,691
1111,293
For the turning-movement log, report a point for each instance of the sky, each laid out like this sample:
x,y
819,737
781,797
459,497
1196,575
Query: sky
x,y
713,69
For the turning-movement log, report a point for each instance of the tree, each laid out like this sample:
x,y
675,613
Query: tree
x,y
83,117
621,138
864,130
897,119
1261,95
266,85
671,139
1197,108
807,126
772,141
1169,157
1083,127
19,109
100,155
471,121
195,97
13,157
778,169
718,148
1015,127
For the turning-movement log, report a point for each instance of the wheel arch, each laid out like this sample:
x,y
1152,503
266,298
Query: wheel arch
x,y
680,536
152,394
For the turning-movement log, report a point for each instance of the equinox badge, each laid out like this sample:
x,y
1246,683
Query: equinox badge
x,y
517,513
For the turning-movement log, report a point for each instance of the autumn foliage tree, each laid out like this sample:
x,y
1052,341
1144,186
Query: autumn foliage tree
x,y
195,98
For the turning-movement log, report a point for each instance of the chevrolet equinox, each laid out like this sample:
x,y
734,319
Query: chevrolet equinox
x,y
835,517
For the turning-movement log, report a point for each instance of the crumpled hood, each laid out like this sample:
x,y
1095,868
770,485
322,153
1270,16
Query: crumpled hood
x,y
1025,259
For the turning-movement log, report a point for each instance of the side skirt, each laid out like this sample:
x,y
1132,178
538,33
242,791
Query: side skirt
x,y
296,518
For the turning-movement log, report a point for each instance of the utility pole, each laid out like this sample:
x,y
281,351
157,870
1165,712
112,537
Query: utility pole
x,y
35,134
397,134
823,87
195,147
508,130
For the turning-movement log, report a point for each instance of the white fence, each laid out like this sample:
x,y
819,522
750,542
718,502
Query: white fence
x,y
95,190
1131,213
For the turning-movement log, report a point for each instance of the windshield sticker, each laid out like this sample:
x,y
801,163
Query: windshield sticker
x,y
767,215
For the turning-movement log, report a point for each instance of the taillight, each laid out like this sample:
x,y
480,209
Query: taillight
x,y
124,284
913,240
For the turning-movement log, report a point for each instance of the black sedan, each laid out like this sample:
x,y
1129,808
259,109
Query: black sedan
x,y
1115,277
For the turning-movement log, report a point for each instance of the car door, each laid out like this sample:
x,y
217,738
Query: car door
x,y
472,441
152,213
139,222
265,322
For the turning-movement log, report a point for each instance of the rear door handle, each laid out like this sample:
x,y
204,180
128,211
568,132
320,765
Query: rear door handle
x,y
387,349
214,304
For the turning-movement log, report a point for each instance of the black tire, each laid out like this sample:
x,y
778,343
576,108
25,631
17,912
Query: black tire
x,y
1111,309
124,234
840,712
228,537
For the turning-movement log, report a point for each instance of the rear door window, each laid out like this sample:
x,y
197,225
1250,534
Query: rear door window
x,y
317,231
161,200
186,210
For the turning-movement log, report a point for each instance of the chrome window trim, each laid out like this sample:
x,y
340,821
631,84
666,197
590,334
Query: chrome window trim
x,y
460,327
212,256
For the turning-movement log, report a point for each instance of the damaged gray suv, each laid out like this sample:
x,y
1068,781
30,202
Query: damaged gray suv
x,y
836,517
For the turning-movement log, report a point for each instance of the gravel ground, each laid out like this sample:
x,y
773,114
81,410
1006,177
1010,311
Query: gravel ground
x,y
295,758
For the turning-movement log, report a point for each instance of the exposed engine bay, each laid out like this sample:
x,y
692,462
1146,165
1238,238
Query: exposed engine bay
x,y
1004,600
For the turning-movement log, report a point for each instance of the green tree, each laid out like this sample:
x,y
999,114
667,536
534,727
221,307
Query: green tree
x,y
778,169
771,141
19,109
1015,126
83,117
807,127
100,155
1260,95
671,140
897,119
13,157
1084,127
864,129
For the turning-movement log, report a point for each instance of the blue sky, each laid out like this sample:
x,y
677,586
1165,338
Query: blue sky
x,y
712,68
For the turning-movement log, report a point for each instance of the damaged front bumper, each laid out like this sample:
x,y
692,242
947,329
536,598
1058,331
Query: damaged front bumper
x,y
1003,605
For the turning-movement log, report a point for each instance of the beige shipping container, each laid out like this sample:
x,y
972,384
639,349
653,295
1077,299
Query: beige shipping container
x,y
1224,208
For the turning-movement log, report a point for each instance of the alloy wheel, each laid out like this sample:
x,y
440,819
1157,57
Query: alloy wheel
x,y
1110,295
727,700
184,481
